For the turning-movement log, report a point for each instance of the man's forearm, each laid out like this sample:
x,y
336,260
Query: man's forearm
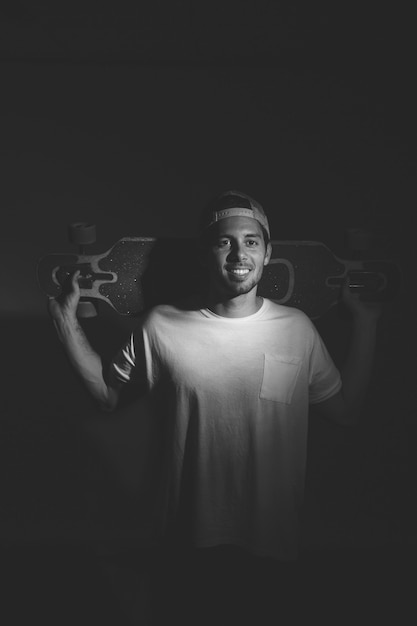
x,y
357,371
86,362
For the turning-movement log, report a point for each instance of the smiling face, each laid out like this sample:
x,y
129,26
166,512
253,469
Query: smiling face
x,y
237,255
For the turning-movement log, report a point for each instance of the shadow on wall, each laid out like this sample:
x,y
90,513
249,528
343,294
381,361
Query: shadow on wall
x,y
69,471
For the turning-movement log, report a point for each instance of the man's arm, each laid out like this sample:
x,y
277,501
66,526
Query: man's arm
x,y
86,362
345,406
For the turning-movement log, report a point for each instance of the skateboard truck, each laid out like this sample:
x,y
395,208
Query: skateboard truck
x,y
361,281
83,234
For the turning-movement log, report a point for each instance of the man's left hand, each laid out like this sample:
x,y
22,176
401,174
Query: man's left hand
x,y
360,309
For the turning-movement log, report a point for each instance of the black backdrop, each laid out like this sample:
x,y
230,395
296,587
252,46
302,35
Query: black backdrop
x,y
324,141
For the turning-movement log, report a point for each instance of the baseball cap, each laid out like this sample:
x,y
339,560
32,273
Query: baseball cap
x,y
233,204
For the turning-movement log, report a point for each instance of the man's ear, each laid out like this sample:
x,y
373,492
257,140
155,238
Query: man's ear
x,y
268,253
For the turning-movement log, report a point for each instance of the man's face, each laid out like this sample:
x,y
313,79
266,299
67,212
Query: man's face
x,y
236,256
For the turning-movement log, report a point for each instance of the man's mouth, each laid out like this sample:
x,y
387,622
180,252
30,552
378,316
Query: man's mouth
x,y
239,271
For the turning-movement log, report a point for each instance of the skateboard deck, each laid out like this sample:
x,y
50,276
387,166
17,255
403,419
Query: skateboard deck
x,y
139,272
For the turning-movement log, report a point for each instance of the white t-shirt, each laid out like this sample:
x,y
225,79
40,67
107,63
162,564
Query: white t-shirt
x,y
234,396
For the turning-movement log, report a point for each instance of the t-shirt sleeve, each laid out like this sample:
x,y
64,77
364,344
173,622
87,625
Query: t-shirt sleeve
x,y
124,362
128,365
325,380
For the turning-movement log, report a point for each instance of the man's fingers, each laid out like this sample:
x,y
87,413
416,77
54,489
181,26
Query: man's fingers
x,y
74,279
347,291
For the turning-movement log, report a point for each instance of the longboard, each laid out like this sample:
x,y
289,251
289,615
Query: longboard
x,y
139,272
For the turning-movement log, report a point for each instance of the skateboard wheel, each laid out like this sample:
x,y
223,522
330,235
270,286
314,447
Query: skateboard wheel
x,y
82,233
86,308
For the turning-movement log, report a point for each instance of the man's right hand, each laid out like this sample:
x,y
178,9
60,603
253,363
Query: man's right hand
x,y
65,306
85,360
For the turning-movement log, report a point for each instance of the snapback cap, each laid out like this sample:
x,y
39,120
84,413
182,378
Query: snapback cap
x,y
233,204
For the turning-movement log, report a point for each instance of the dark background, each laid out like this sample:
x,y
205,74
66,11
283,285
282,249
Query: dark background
x,y
131,118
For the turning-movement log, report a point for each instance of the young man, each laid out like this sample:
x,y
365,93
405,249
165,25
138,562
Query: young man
x,y
231,377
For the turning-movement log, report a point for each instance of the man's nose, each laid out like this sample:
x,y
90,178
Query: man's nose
x,y
238,251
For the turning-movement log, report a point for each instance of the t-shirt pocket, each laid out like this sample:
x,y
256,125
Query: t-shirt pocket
x,y
279,378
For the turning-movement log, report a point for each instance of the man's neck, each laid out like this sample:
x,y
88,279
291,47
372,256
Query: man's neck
x,y
240,306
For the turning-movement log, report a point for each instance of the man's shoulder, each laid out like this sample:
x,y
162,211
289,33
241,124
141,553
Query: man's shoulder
x,y
171,312
287,313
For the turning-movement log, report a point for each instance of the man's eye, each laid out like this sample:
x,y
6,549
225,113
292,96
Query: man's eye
x,y
252,243
223,242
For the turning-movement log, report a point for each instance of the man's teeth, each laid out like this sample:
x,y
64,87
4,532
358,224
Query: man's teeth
x,y
240,272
